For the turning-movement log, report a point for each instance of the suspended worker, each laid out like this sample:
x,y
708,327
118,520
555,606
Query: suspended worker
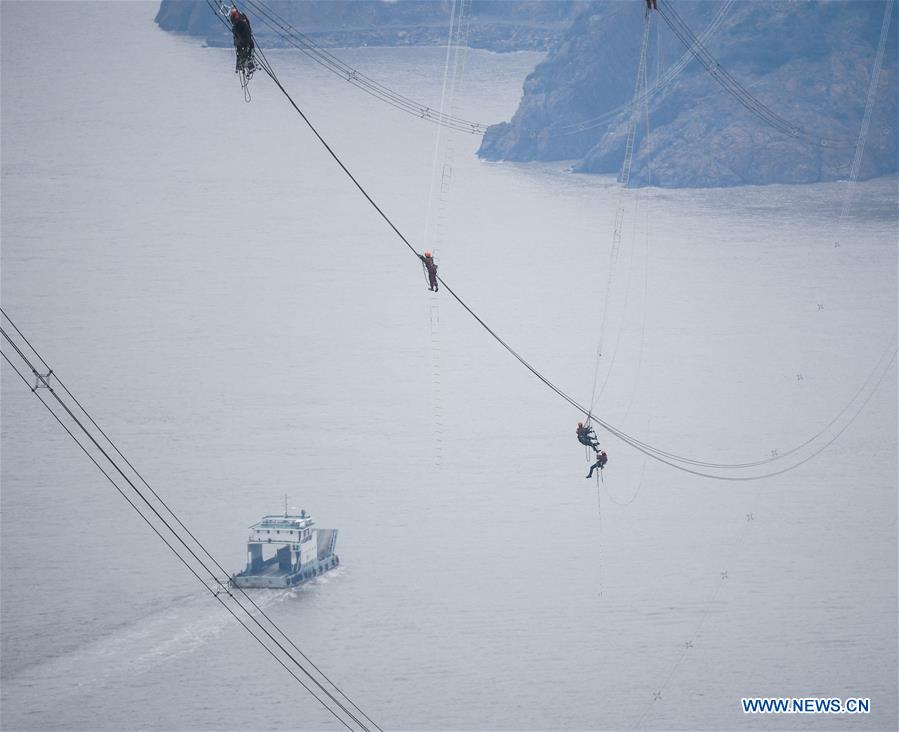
x,y
243,41
601,460
428,260
652,5
586,436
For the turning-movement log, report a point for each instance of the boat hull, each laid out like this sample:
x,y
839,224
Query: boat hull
x,y
270,576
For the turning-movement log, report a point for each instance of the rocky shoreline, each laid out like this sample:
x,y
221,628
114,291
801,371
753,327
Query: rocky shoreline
x,y
810,62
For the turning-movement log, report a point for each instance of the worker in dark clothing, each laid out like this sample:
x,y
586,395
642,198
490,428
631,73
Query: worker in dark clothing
x,y
243,40
586,436
601,460
652,5
428,260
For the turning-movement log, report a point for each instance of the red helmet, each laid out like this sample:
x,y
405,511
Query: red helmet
x,y
235,13
427,254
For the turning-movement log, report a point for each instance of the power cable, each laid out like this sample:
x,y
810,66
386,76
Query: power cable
x,y
733,87
157,532
661,84
332,63
241,590
667,458
43,380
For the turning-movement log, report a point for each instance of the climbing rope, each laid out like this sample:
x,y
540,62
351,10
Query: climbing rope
x,y
624,179
648,219
439,189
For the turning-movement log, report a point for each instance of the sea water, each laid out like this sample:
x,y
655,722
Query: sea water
x,y
236,316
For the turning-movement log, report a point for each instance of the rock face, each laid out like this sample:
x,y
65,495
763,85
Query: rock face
x,y
497,25
810,62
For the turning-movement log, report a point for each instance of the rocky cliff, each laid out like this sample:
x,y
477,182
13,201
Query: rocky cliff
x,y
809,62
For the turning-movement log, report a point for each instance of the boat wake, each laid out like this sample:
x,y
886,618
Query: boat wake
x,y
133,649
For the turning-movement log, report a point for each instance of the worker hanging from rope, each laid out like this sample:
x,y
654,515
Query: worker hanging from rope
x,y
586,436
427,259
243,43
601,460
652,5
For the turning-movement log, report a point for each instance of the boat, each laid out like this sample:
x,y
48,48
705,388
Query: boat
x,y
300,551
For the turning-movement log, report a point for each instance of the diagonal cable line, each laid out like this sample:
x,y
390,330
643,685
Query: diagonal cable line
x,y
659,86
332,63
190,569
199,544
733,87
223,587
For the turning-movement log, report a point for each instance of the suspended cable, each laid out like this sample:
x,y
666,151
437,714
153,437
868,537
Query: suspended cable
x,y
180,523
724,78
695,49
872,92
735,88
668,458
661,84
332,63
156,531
662,456
42,381
658,455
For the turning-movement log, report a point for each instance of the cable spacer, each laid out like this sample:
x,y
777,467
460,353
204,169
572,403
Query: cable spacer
x,y
39,378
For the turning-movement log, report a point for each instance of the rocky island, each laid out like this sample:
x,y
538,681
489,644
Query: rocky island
x,y
809,62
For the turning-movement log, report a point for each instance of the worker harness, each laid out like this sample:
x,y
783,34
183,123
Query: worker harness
x,y
246,58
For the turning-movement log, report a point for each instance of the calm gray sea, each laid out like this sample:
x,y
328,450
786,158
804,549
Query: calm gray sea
x,y
239,320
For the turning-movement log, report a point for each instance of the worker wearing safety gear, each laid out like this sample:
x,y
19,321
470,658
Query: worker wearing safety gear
x,y
586,436
243,40
601,460
428,260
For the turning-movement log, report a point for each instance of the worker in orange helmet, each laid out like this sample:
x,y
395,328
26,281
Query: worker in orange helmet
x,y
427,260
601,460
243,40
586,436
